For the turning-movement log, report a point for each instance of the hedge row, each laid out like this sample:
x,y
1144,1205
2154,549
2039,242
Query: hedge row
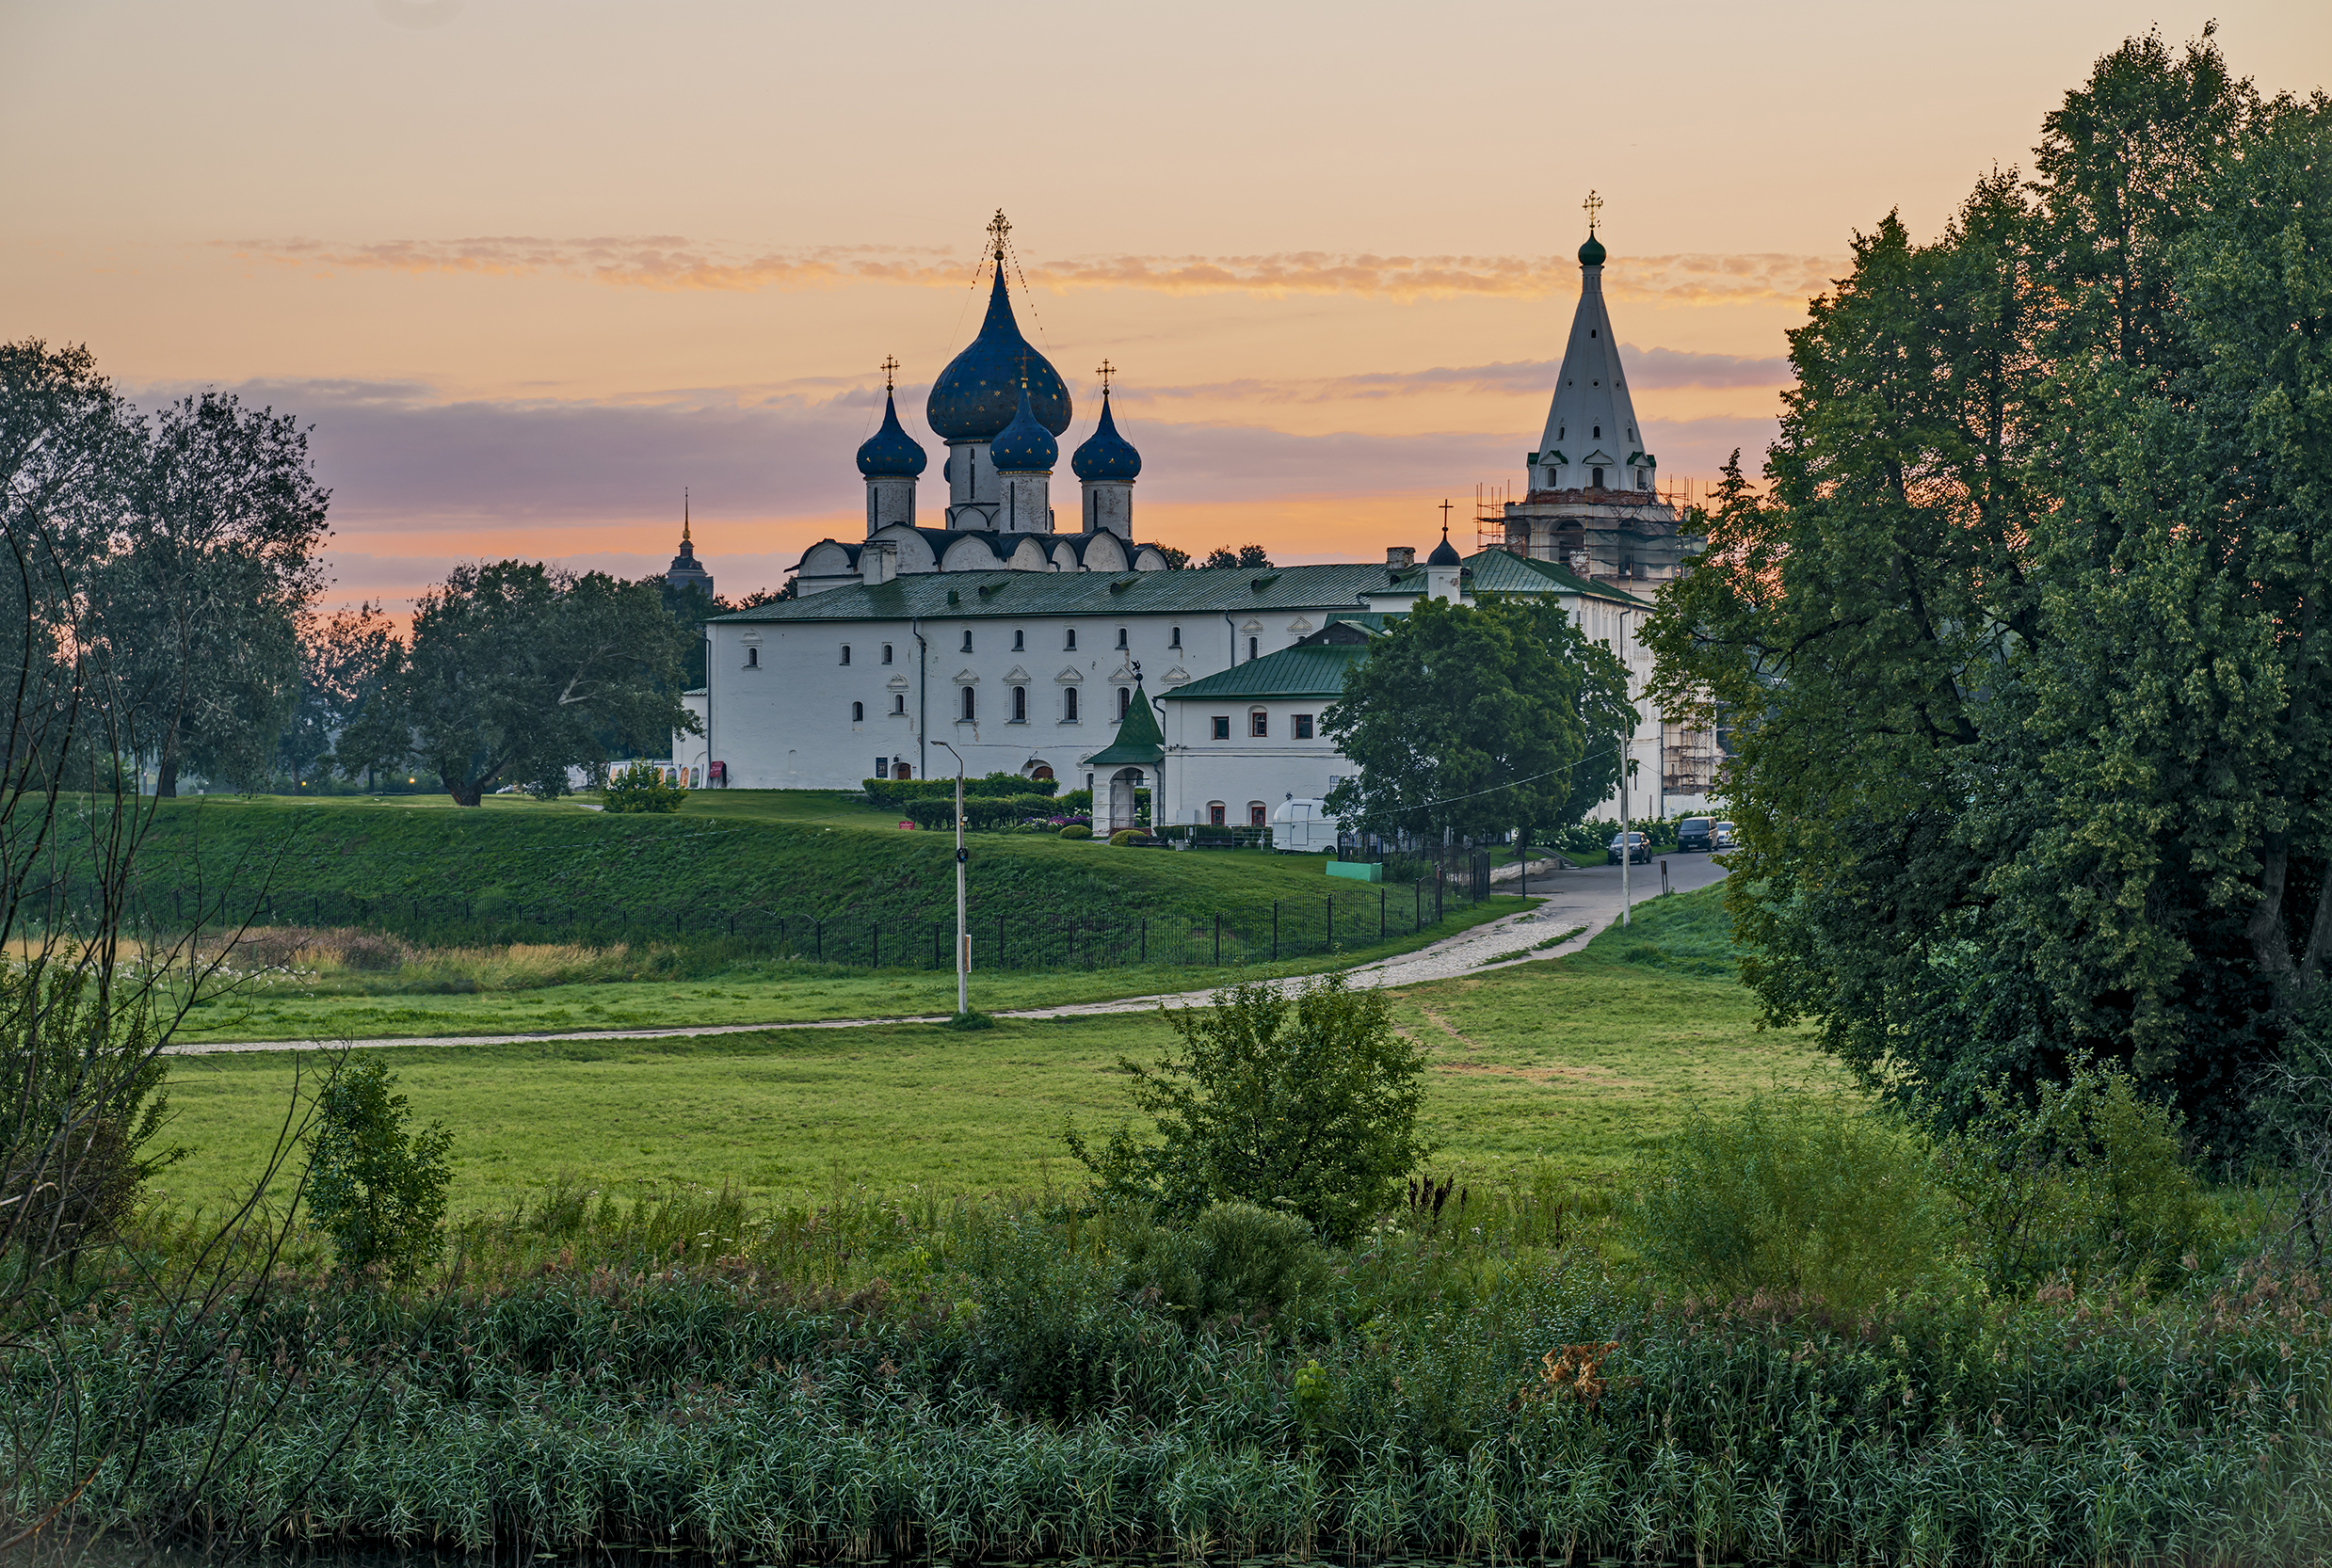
x,y
981,811
894,793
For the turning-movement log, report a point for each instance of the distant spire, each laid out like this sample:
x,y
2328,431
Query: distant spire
x,y
684,514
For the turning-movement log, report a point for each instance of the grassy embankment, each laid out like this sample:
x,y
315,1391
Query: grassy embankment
x,y
1568,1064
460,888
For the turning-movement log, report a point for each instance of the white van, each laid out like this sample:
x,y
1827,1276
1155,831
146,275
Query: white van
x,y
1303,828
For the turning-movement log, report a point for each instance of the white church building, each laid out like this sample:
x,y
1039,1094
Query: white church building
x,y
1006,642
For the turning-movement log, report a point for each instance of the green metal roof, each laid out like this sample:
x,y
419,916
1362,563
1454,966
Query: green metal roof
x,y
1221,590
965,595
1309,670
1139,739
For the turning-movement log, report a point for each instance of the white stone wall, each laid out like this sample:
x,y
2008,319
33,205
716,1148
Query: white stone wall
x,y
1245,771
782,699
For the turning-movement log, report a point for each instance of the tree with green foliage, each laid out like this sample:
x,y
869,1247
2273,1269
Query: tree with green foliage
x,y
1222,557
517,672
1305,1103
2022,645
1473,719
640,787
343,662
375,1186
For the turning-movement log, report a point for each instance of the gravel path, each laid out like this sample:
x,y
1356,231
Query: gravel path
x,y
1585,900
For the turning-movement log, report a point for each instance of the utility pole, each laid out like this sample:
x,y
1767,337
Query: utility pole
x,y
1627,746
963,930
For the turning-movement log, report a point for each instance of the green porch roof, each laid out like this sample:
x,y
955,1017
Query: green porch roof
x,y
1308,670
1140,742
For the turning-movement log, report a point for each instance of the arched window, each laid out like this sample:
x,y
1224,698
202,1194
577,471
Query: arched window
x,y
1215,810
898,702
1259,724
1069,642
967,639
845,653
1599,432
752,659
1019,641
1121,636
1125,702
858,713
971,703
1253,644
886,653
1174,636
1259,815
1069,705
1019,705
1596,479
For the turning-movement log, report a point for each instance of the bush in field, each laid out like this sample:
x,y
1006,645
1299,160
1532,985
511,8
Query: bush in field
x,y
1077,830
1793,1196
1306,1104
641,788
980,811
376,1188
894,793
1233,1257
2087,1183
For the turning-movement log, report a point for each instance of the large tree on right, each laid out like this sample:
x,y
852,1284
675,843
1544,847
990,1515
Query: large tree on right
x,y
2024,643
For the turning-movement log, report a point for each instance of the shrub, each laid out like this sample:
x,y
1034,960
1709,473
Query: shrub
x,y
1789,1197
1076,830
894,793
1125,835
1306,1104
1233,1257
641,788
980,811
377,1190
2087,1182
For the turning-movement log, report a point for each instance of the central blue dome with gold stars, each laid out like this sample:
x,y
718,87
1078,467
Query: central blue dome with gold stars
x,y
977,394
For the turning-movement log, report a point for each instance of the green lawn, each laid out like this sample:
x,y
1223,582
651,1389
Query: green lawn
x,y
1573,1062
269,1009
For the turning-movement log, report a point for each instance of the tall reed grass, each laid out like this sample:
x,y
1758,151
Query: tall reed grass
x,y
1011,1377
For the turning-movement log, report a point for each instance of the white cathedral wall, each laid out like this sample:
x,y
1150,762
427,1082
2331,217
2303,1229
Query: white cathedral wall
x,y
783,719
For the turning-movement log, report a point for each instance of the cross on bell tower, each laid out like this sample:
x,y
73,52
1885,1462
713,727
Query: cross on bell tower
x,y
999,231
890,371
1593,206
1105,371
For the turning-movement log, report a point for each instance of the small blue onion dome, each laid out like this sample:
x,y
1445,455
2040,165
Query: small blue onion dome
x,y
975,396
1591,253
1106,455
890,453
1444,554
1024,446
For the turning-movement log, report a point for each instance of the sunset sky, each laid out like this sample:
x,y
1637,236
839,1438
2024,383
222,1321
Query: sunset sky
x,y
531,267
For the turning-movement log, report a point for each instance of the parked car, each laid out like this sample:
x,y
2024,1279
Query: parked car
x,y
1725,836
1695,835
1639,848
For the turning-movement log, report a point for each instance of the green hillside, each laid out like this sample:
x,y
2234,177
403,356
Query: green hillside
x,y
803,874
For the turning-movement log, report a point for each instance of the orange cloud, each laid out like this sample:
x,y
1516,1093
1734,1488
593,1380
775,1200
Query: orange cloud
x,y
673,262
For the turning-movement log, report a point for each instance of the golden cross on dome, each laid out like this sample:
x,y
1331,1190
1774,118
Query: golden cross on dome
x,y
1593,206
999,230
1106,372
890,369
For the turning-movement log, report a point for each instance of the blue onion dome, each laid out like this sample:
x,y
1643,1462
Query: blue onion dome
x,y
890,453
975,396
1591,253
1106,455
1444,554
1024,446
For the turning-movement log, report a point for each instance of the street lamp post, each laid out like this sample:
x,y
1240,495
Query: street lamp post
x,y
963,932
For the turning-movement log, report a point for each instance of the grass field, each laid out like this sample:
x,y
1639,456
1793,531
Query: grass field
x,y
1573,1062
